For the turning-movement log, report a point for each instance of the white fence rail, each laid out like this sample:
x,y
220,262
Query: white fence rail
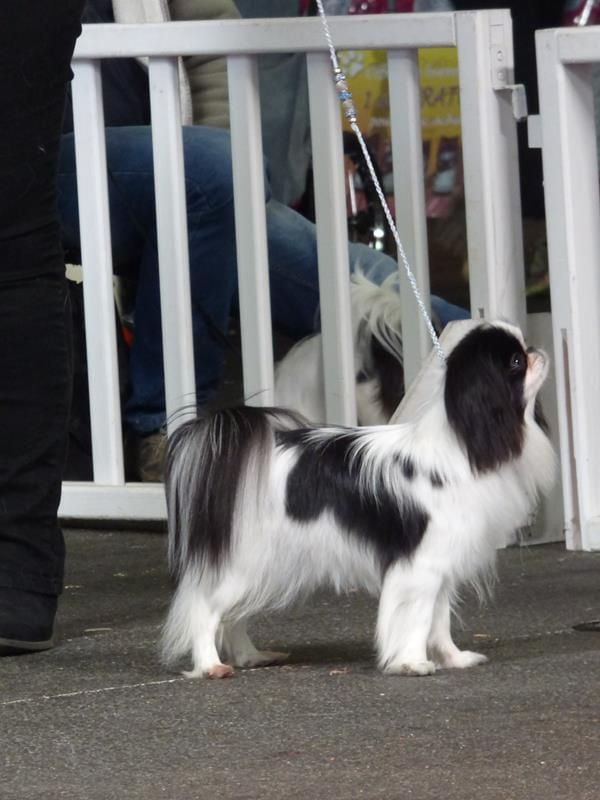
x,y
484,41
568,138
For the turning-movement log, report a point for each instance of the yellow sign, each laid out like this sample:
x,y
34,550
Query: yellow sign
x,y
366,71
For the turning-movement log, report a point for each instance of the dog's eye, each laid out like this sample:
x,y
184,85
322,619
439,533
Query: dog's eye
x,y
517,361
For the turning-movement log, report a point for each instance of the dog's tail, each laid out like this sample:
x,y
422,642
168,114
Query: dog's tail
x,y
210,463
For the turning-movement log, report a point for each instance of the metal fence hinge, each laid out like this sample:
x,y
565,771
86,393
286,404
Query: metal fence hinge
x,y
519,100
502,67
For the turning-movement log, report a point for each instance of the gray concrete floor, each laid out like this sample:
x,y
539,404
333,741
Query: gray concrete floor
x,y
98,717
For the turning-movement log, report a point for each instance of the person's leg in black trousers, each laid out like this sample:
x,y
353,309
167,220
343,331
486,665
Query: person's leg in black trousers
x,y
36,43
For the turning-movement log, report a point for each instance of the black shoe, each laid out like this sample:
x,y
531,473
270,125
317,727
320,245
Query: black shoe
x,y
26,621
591,626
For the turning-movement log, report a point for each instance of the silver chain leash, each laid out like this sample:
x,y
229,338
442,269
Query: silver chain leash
x,y
345,96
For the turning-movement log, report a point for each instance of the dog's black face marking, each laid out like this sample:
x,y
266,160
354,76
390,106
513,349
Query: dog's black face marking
x,y
484,396
326,478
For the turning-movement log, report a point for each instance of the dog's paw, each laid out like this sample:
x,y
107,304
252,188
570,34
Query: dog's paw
x,y
220,671
410,668
263,658
216,671
462,659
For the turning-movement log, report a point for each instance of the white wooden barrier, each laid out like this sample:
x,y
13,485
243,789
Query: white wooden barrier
x,y
568,139
484,41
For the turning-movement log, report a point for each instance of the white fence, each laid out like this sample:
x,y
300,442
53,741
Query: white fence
x,y
568,138
484,41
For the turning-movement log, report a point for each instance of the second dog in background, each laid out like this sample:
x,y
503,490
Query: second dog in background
x,y
378,359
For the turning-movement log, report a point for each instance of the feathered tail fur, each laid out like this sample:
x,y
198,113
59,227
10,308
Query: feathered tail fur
x,y
208,463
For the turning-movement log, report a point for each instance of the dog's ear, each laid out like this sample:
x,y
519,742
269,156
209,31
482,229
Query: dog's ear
x,y
484,404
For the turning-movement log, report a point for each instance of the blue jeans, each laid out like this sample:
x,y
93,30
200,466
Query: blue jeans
x,y
292,257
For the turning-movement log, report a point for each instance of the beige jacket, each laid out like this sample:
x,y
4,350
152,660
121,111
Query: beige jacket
x,y
203,80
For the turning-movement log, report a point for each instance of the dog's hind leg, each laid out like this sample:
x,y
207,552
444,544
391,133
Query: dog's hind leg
x,y
239,649
204,625
441,646
404,619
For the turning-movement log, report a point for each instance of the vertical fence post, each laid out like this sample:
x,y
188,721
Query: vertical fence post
x,y
572,215
94,224
250,230
491,172
332,242
409,196
173,254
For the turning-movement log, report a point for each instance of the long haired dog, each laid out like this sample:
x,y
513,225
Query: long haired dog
x,y
378,358
262,510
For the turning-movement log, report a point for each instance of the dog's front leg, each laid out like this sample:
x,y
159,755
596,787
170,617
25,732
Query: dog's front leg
x,y
405,617
441,646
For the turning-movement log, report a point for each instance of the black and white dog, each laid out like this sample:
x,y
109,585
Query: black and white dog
x,y
378,358
263,509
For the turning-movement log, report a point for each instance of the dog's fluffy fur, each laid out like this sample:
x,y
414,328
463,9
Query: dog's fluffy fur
x,y
378,359
263,508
